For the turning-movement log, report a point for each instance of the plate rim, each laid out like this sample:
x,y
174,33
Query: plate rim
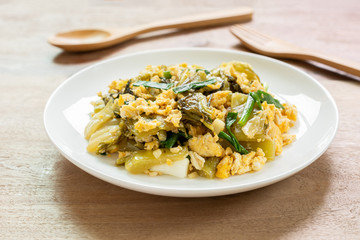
x,y
186,192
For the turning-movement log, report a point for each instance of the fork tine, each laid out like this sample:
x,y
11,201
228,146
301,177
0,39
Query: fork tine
x,y
244,35
248,36
251,34
254,32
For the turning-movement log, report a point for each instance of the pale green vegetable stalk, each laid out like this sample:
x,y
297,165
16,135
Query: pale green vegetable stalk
x,y
99,119
142,160
103,139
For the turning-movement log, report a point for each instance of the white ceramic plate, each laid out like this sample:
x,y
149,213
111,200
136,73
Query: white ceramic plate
x,y
67,113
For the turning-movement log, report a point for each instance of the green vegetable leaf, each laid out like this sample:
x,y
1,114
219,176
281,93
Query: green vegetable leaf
x,y
170,140
249,106
193,85
150,84
185,135
194,107
266,97
167,74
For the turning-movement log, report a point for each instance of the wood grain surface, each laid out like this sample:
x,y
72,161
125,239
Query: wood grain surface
x,y
44,196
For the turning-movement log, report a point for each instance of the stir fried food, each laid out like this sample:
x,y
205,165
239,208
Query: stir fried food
x,y
188,121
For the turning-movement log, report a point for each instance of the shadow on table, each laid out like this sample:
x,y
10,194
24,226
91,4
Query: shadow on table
x,y
103,211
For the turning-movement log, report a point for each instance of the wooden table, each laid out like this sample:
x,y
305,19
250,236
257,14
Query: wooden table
x,y
44,196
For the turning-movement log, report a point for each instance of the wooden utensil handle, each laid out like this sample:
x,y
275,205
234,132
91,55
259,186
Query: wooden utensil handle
x,y
335,62
201,20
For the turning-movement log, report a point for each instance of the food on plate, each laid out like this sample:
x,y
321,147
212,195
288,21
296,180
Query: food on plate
x,y
188,121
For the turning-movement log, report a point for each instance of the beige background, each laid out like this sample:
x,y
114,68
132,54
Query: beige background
x,y
44,196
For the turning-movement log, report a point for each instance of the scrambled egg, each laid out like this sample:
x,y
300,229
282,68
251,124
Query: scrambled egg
x,y
279,123
239,164
206,145
143,126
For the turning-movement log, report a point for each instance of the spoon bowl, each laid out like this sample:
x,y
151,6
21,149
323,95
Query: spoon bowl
x,y
83,39
83,36
93,39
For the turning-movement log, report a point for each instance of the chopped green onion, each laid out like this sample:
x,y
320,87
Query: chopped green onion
x,y
167,74
226,137
150,84
238,147
257,99
249,106
193,85
230,119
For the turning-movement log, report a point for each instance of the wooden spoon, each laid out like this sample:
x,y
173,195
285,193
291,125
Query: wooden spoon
x,y
93,39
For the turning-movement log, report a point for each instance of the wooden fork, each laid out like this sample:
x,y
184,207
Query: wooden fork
x,y
270,46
